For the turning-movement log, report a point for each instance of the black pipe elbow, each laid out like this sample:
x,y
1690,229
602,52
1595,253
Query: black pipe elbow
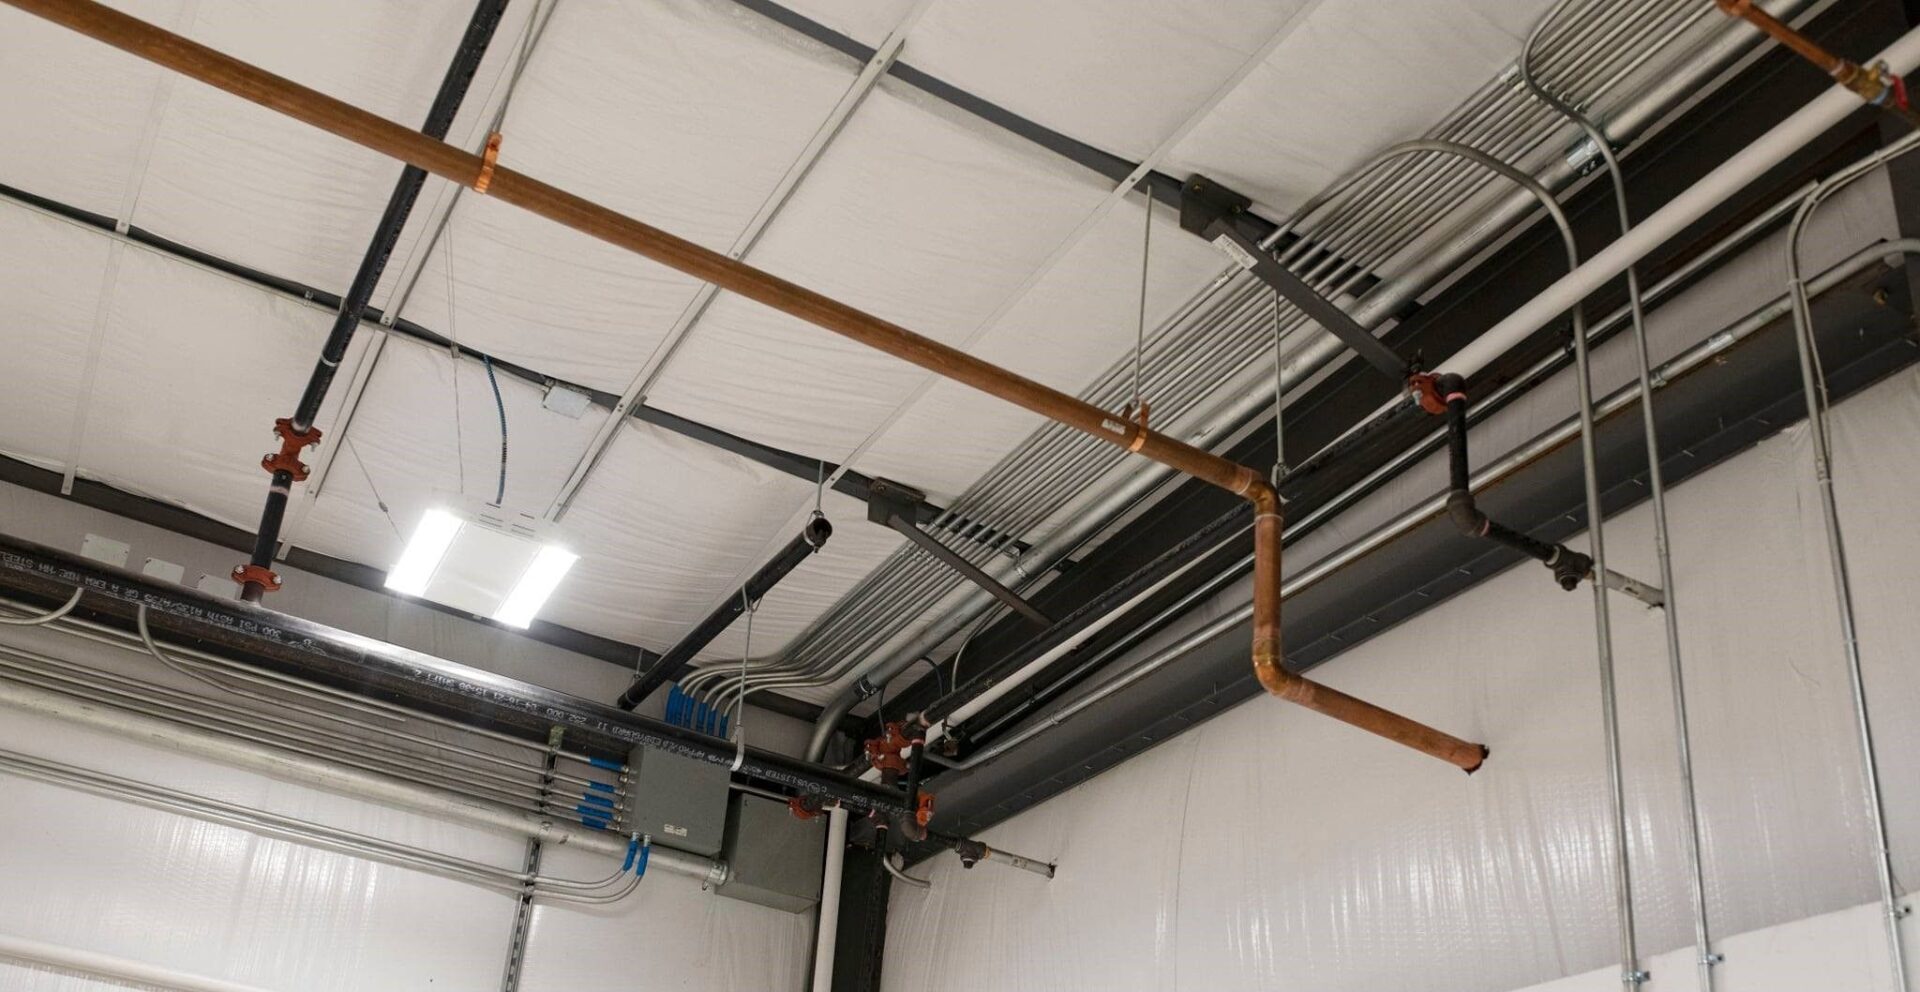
x,y
1465,515
1449,383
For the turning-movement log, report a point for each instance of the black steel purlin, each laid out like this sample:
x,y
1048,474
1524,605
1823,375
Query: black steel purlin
x,y
377,670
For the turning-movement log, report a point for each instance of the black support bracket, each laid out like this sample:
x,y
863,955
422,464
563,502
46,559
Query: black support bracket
x,y
891,504
1214,212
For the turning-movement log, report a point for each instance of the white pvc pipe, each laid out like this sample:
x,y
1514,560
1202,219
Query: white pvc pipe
x,y
826,927
95,964
1733,175
315,772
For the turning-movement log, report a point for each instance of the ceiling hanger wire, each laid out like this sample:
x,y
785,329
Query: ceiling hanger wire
x,y
1279,398
1139,407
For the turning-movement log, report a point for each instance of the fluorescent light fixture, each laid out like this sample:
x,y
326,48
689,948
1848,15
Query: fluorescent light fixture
x,y
425,550
535,585
483,560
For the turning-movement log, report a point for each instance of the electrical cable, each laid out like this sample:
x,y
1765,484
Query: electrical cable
x,y
500,405
146,639
896,872
58,612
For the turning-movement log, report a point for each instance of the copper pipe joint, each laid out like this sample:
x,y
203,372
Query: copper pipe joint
x,y
1269,660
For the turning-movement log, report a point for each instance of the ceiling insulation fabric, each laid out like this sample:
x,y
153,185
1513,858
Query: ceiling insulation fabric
x,y
640,106
40,383
169,378
1122,77
1351,77
917,214
695,116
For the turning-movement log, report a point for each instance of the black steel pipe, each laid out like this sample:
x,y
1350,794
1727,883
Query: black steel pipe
x,y
386,672
446,104
1569,566
679,658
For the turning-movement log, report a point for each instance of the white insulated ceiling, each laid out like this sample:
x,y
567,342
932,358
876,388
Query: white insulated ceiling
x,y
162,377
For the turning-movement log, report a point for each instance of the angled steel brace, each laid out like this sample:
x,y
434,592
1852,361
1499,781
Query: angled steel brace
x,y
892,505
1211,211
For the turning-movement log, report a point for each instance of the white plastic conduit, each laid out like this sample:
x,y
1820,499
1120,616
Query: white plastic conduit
x,y
1733,175
826,927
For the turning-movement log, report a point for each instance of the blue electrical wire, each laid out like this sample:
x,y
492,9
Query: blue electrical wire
x,y
500,495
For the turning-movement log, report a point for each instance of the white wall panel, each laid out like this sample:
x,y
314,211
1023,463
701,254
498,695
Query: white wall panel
x,y
671,934
90,872
1312,855
108,877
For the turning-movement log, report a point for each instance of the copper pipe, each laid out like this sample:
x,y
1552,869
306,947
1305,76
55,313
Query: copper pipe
x,y
1868,83
397,141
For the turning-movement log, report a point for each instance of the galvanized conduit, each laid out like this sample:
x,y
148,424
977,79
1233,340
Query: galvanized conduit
x,y
327,695
334,777
1813,384
1599,331
349,842
1705,957
316,109
1491,474
1596,549
258,731
1471,125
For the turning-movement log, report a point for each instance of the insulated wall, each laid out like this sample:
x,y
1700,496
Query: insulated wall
x,y
1274,849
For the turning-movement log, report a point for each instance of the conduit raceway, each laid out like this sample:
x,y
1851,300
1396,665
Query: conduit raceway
x,y
324,657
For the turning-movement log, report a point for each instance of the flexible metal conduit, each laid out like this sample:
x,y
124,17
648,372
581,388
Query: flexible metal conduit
x,y
251,83
1705,958
1229,324
1491,474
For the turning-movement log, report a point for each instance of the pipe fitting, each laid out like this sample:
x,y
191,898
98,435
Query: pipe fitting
x,y
1569,567
1465,515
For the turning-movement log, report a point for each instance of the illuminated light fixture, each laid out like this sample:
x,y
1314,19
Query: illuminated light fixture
x,y
487,561
535,585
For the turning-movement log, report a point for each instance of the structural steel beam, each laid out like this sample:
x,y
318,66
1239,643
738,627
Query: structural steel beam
x,y
378,670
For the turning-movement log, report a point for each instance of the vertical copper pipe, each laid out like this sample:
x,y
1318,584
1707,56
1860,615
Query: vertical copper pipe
x,y
1869,84
362,128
